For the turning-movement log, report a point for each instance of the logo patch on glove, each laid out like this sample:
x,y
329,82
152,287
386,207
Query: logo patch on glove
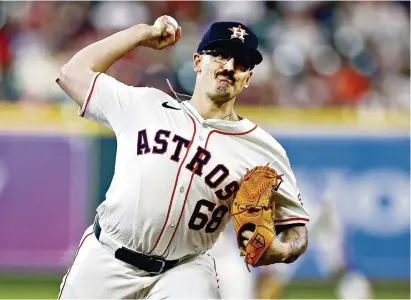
x,y
258,241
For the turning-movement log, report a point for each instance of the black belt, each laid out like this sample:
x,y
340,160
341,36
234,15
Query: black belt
x,y
150,264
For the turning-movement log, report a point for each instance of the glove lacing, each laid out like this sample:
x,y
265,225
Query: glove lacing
x,y
262,188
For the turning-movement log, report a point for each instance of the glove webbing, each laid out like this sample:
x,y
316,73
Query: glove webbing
x,y
280,180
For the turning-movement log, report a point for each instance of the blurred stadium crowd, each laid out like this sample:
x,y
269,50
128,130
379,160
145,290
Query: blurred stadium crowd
x,y
316,54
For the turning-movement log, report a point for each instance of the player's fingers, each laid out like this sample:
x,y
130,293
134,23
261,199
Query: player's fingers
x,y
167,41
171,31
178,36
171,40
174,35
246,235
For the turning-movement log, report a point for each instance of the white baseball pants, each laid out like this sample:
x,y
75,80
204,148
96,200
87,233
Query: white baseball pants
x,y
96,273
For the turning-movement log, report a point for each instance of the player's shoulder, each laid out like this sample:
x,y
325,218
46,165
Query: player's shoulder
x,y
155,94
143,92
268,141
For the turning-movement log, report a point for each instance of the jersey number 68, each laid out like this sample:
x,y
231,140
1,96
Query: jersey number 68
x,y
199,219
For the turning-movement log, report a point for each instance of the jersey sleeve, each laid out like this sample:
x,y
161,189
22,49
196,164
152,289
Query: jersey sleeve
x,y
108,101
288,205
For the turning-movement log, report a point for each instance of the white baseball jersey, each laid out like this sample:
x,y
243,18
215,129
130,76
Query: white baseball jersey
x,y
175,173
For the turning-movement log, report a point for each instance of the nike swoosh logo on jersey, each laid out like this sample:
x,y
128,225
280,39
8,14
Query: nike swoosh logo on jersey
x,y
164,104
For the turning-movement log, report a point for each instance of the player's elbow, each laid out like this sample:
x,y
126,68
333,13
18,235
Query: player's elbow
x,y
74,81
62,77
64,80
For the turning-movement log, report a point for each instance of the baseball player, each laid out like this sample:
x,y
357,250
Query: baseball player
x,y
178,167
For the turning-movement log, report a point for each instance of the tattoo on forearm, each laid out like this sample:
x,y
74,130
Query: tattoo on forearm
x,y
297,238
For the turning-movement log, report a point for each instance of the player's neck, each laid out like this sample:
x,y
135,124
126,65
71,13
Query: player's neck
x,y
210,109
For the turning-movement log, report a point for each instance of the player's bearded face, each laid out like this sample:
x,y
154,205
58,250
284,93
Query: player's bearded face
x,y
222,82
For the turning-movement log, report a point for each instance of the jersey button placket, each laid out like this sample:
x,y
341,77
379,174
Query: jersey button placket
x,y
180,194
177,206
202,132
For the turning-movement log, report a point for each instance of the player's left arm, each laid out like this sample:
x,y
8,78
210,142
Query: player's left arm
x,y
295,238
290,217
289,245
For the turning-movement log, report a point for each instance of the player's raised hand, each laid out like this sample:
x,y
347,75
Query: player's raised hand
x,y
165,32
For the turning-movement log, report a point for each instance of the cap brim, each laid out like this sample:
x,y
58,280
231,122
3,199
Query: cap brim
x,y
237,47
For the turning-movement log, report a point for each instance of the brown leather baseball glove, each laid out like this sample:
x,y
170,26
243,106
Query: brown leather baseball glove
x,y
252,210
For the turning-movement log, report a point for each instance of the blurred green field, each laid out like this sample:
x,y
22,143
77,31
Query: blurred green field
x,y
326,290
47,287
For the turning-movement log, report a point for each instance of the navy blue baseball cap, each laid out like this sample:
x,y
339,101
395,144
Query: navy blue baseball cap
x,y
234,37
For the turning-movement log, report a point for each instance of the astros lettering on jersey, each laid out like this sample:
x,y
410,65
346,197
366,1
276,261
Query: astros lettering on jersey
x,y
176,173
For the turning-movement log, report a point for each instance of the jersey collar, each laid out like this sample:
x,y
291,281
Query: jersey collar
x,y
241,126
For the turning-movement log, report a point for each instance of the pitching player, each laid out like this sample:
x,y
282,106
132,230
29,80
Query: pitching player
x,y
177,168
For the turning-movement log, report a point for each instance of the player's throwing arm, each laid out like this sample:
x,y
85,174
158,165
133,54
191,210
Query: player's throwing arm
x,y
76,75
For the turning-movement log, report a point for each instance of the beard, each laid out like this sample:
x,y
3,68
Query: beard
x,y
221,94
222,91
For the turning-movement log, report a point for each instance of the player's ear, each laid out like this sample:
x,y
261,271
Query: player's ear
x,y
247,81
197,62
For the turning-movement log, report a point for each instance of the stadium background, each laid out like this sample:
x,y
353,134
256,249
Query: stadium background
x,y
334,89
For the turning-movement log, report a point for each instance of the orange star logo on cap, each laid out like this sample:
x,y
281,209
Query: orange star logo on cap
x,y
238,33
